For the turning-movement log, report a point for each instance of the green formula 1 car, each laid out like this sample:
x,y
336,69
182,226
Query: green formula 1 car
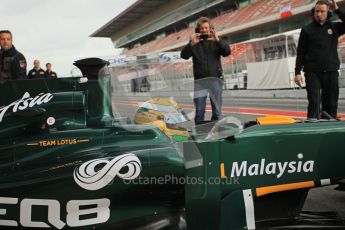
x,y
73,157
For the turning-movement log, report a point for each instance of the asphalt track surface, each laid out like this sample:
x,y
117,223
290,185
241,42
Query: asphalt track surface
x,y
245,109
248,109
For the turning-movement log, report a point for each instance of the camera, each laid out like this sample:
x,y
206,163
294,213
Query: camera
x,y
204,36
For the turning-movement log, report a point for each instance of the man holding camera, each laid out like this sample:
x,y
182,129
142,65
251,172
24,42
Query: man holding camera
x,y
206,49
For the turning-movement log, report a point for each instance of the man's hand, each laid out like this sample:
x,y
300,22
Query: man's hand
x,y
299,80
214,35
333,5
195,38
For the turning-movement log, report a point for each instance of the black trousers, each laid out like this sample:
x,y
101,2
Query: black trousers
x,y
322,88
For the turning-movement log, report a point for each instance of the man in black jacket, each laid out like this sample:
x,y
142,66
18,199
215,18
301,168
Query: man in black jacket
x,y
49,73
37,71
317,55
12,62
206,49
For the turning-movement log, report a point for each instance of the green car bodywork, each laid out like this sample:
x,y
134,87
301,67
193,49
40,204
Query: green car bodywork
x,y
52,130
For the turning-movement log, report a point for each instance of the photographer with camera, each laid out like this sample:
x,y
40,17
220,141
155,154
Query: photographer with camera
x,y
206,49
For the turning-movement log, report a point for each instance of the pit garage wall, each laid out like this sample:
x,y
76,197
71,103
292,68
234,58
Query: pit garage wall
x,y
273,74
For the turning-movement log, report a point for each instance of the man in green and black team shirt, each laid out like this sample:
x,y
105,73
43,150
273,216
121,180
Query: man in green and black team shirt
x,y
317,56
12,62
37,71
49,73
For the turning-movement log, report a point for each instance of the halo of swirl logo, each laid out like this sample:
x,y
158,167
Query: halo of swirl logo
x,y
88,178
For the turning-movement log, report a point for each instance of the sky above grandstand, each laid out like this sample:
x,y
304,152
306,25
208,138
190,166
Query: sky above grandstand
x,y
58,31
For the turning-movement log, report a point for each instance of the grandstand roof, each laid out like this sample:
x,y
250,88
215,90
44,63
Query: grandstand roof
x,y
131,14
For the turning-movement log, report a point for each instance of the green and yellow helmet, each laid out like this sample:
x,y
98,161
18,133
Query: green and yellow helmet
x,y
165,114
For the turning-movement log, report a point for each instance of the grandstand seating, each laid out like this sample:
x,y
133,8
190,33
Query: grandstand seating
x,y
255,11
342,41
262,9
240,50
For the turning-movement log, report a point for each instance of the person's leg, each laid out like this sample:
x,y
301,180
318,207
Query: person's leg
x,y
215,93
200,106
330,93
313,86
200,96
